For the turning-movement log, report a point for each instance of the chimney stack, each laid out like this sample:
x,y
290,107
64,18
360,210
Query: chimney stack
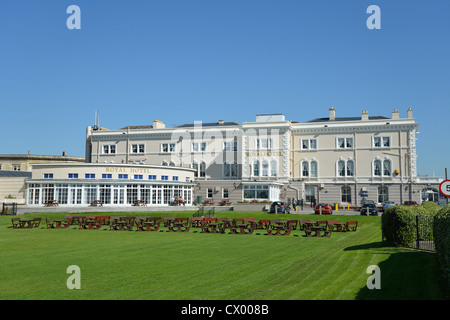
x,y
395,114
332,114
365,115
158,124
410,116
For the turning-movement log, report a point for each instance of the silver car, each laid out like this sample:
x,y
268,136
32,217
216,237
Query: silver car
x,y
387,204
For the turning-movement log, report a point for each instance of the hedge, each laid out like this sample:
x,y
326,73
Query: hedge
x,y
442,241
398,223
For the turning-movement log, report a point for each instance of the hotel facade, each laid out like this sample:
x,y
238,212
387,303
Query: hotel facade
x,y
339,160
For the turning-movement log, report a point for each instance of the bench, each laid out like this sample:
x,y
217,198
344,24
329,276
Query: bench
x,y
207,203
196,221
50,225
209,225
301,223
96,203
224,203
262,224
36,222
16,223
148,223
51,203
280,229
351,225
179,225
293,224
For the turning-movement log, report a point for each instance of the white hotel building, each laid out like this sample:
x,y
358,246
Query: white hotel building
x,y
333,159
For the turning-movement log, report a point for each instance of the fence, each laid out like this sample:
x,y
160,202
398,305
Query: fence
x,y
9,209
421,231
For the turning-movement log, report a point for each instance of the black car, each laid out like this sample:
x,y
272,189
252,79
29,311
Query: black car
x,y
369,208
281,207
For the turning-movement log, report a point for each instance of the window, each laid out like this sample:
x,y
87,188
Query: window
x,y
109,149
256,165
381,142
209,192
73,175
48,175
137,148
382,168
106,176
89,176
167,147
350,168
383,194
309,144
262,144
230,170
313,169
346,194
138,177
151,177
230,146
225,193
265,168
305,169
16,167
123,176
345,168
273,168
256,192
174,178
164,177
345,143
198,146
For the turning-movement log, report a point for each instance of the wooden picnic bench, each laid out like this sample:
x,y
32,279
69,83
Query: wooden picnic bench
x,y
16,223
262,224
196,221
293,224
179,225
280,228
138,203
242,226
121,223
301,223
96,203
351,225
209,225
208,203
148,223
51,203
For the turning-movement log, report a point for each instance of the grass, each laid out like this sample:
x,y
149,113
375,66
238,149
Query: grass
x,y
194,266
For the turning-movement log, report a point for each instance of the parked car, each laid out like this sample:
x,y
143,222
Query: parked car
x,y
388,204
281,207
410,203
326,208
370,208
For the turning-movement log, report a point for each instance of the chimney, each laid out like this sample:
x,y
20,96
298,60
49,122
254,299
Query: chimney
x,y
365,115
410,116
332,114
395,114
158,124
64,153
221,122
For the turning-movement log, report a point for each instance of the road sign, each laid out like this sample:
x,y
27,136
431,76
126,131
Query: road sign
x,y
444,188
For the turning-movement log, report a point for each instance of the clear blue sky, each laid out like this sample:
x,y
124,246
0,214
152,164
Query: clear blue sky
x,y
181,61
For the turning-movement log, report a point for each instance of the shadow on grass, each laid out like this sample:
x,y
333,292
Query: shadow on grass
x,y
406,274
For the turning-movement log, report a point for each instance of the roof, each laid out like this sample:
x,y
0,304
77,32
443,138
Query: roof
x,y
211,124
10,173
346,119
137,127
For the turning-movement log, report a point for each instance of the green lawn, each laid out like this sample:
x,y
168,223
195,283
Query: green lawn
x,y
180,266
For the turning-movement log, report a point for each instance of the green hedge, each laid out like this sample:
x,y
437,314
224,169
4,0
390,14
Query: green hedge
x,y
442,241
398,223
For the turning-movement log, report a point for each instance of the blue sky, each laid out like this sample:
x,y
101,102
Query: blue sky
x,y
180,61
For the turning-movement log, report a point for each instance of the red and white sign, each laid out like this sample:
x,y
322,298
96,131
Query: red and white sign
x,y
444,188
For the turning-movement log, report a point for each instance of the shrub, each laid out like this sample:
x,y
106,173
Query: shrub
x,y
398,223
442,241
